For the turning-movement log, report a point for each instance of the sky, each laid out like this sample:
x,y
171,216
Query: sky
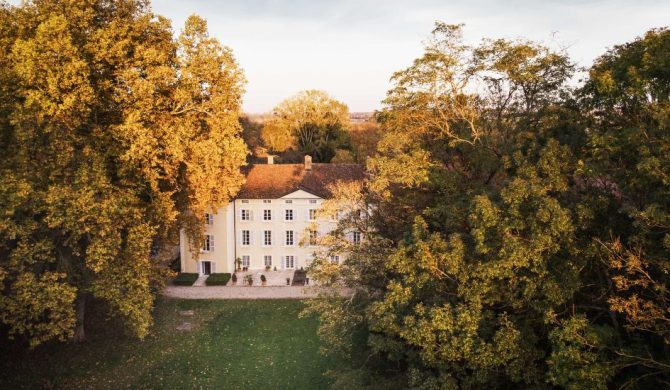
x,y
350,48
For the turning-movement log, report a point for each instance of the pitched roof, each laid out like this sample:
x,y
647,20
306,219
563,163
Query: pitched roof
x,y
272,181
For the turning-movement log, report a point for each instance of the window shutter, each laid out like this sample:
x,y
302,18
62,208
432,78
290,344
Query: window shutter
x,y
197,267
213,266
211,243
307,215
251,237
251,215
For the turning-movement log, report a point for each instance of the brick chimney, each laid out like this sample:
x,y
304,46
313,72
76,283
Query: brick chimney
x,y
308,163
271,159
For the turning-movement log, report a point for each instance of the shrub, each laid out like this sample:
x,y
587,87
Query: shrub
x,y
185,279
263,278
217,279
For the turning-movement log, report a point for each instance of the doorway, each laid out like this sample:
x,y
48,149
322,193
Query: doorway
x,y
206,267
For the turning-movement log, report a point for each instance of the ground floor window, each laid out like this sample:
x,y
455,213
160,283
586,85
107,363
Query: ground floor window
x,y
289,261
246,260
267,259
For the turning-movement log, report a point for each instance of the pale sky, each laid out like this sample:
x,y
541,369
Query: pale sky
x,y
350,48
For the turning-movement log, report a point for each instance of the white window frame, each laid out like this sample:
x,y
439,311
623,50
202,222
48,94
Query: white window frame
x,y
245,213
267,237
248,237
289,234
267,215
267,201
312,201
267,260
313,241
208,244
209,219
334,259
288,201
311,214
356,237
286,214
286,261
246,261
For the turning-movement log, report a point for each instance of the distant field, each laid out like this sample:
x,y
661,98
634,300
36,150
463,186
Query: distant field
x,y
235,344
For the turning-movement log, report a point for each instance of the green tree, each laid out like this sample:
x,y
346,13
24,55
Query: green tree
x,y
311,122
115,130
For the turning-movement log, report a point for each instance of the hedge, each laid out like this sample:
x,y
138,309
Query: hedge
x,y
217,279
185,279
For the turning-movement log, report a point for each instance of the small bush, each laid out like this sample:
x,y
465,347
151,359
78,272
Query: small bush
x,y
234,278
263,279
185,279
217,279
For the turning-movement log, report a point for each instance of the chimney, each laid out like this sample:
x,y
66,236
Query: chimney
x,y
308,162
271,159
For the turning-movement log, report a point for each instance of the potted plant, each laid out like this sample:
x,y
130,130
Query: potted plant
x,y
288,281
264,280
267,268
234,279
275,268
249,279
238,264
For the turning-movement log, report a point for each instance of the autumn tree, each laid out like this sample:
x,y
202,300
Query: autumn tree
x,y
310,122
112,129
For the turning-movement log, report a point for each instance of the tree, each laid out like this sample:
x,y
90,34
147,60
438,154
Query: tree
x,y
311,122
116,130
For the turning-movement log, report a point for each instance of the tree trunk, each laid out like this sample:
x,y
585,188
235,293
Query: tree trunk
x,y
79,334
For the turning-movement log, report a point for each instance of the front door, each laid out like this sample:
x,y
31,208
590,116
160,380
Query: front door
x,y
206,267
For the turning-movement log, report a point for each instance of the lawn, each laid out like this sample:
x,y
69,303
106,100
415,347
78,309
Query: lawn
x,y
234,344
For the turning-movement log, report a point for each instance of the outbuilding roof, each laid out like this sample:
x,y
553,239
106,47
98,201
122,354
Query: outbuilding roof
x,y
272,181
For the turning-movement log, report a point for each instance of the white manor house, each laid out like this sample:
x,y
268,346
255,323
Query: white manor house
x,y
270,221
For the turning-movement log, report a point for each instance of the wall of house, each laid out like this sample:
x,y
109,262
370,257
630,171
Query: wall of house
x,y
228,227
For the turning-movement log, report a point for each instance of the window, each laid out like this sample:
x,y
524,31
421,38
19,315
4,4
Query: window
x,y
334,259
246,260
356,237
312,214
267,260
312,201
267,237
313,237
267,215
245,201
208,245
246,237
209,219
289,238
289,201
245,215
289,261
288,216
267,201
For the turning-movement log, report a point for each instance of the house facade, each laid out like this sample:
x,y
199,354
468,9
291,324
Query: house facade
x,y
273,221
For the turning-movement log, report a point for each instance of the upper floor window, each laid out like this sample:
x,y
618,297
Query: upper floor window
x,y
267,201
245,200
245,215
246,237
208,245
289,238
289,201
209,219
312,201
267,237
313,237
356,237
335,259
288,216
267,215
312,214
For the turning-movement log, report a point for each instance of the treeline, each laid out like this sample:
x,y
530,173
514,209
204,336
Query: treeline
x,y
517,228
310,123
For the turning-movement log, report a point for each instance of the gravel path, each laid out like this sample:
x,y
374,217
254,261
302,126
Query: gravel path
x,y
244,292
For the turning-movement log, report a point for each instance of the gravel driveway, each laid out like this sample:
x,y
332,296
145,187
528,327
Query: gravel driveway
x,y
244,292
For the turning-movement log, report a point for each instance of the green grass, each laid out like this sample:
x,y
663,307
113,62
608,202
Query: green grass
x,y
235,344
217,279
185,279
